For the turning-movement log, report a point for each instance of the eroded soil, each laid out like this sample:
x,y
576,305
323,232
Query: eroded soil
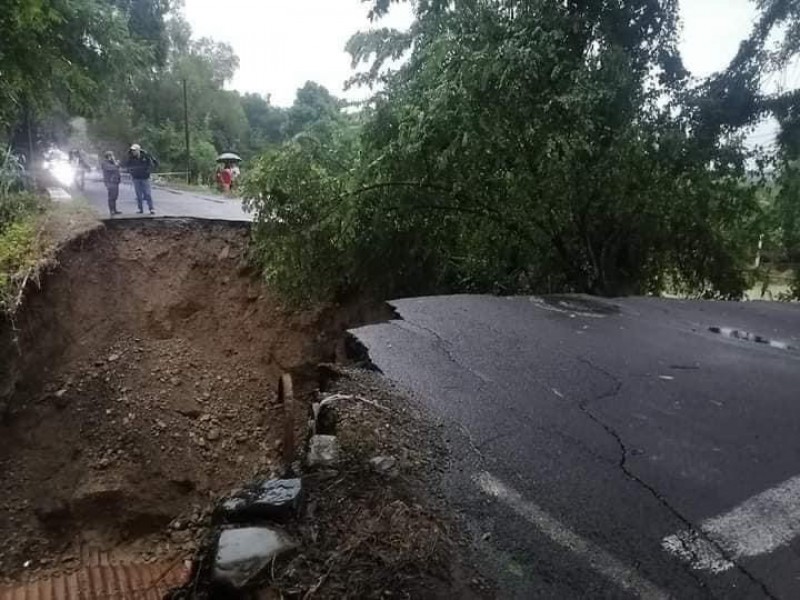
x,y
142,384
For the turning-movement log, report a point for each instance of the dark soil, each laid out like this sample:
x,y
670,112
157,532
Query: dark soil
x,y
364,533
369,535
138,386
143,384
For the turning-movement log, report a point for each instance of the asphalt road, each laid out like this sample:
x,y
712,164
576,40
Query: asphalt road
x,y
167,203
614,449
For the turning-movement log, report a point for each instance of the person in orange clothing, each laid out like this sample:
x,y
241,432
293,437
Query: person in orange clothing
x,y
225,179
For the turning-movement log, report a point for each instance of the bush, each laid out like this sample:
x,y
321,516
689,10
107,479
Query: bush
x,y
18,254
17,206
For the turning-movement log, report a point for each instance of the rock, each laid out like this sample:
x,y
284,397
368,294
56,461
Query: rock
x,y
323,451
213,434
187,407
113,357
276,499
385,465
175,381
97,492
243,554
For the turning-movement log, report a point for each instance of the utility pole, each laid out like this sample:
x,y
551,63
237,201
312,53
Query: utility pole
x,y
186,133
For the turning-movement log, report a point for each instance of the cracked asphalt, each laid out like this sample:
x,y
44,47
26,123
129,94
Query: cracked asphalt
x,y
612,425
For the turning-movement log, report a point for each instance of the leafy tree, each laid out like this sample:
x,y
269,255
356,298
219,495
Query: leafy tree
x,y
266,123
314,103
521,146
65,53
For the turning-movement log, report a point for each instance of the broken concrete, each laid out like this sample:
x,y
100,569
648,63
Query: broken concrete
x,y
243,554
277,499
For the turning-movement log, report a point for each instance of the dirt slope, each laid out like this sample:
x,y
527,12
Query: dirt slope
x,y
142,384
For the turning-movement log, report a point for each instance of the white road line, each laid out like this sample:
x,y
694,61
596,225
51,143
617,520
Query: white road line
x,y
758,526
626,577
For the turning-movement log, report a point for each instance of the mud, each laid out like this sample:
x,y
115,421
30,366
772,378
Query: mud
x,y
137,384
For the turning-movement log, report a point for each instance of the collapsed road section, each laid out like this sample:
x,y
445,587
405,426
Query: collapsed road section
x,y
139,391
137,381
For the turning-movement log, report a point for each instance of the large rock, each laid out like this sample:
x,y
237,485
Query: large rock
x,y
323,451
243,554
187,407
276,499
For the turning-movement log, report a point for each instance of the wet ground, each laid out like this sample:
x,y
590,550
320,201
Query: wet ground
x,y
614,449
168,202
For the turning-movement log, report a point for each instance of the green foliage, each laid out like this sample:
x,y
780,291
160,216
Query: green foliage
x,y
17,206
313,104
18,253
18,240
303,231
149,108
67,52
787,210
12,175
523,146
266,124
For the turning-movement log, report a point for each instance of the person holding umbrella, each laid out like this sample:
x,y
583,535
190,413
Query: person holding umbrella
x,y
228,173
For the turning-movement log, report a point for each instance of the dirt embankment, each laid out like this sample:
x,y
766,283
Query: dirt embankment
x,y
136,384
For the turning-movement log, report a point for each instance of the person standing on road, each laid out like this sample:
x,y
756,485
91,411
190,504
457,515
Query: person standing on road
x,y
111,177
140,164
226,178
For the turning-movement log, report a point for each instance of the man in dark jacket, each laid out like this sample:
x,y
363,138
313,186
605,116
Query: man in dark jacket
x,y
139,164
111,178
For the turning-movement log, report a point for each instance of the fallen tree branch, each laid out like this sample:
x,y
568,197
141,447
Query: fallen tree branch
x,y
316,407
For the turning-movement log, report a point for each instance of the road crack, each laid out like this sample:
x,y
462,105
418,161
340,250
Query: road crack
x,y
623,465
445,346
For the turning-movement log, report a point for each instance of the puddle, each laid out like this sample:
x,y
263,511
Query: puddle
x,y
746,336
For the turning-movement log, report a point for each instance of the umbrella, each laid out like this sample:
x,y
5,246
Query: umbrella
x,y
225,156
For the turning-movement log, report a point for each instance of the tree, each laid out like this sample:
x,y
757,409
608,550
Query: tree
x,y
66,53
313,104
266,123
524,146
149,107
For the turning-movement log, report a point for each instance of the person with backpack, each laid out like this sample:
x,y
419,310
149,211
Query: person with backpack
x,y
111,178
140,164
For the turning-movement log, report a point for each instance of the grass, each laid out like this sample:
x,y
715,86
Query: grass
x,y
30,241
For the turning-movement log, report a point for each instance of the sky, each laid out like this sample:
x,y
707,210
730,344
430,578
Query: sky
x,y
281,44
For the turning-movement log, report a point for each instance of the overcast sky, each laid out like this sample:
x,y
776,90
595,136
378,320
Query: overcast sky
x,y
284,43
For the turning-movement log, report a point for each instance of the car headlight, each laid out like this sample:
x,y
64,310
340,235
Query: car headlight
x,y
64,173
